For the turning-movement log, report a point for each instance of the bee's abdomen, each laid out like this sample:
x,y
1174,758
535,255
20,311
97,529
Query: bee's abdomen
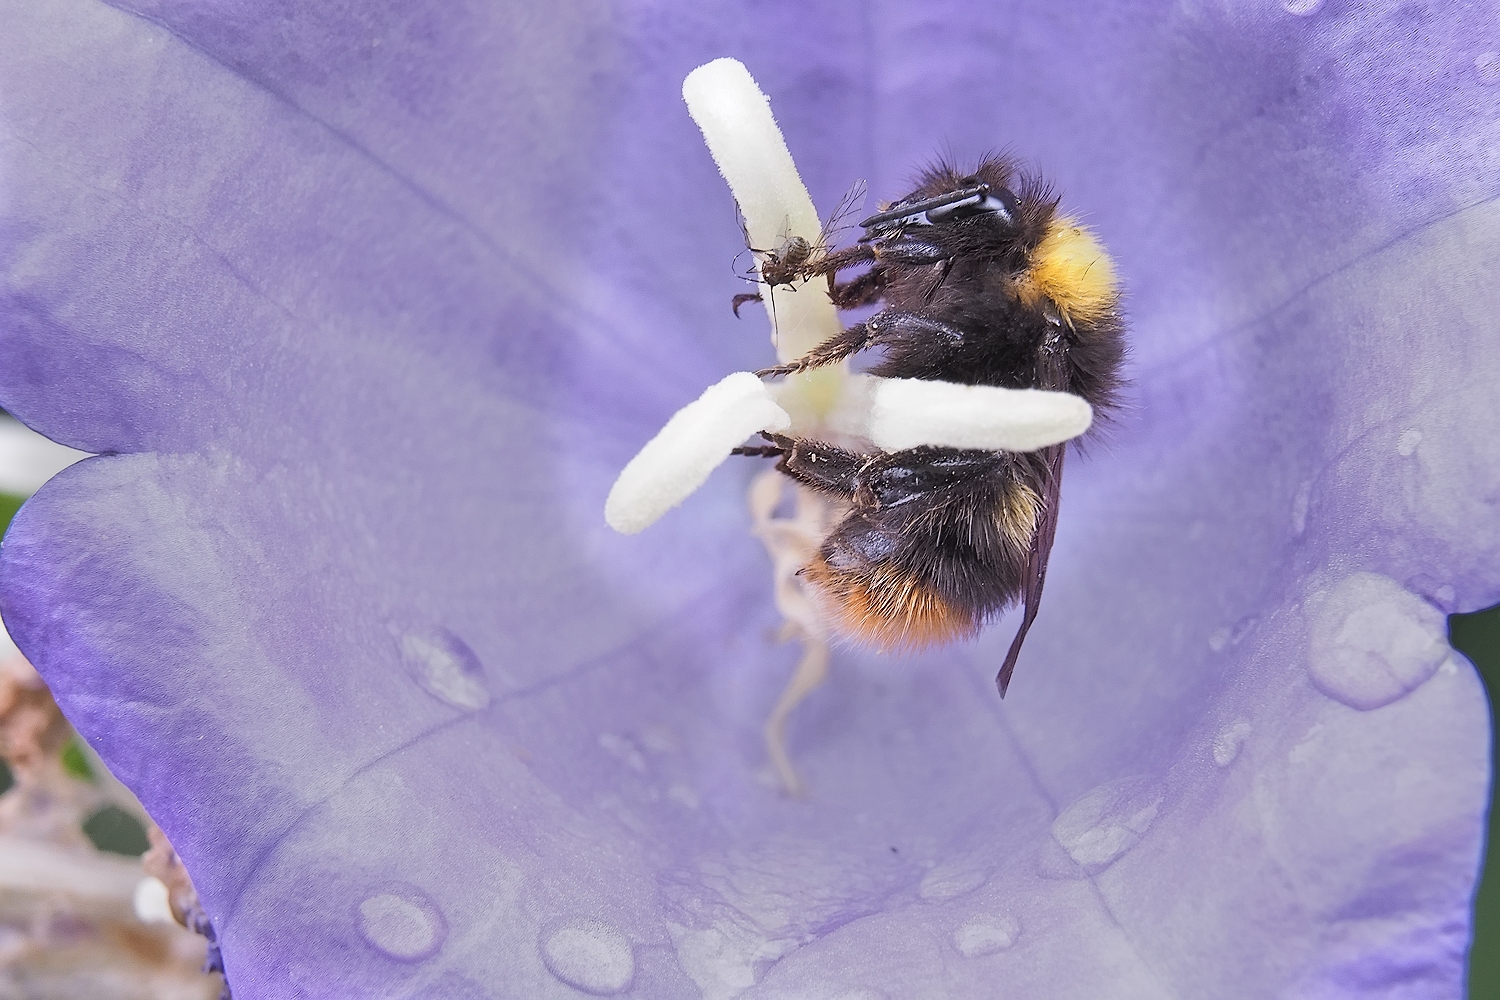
x,y
884,606
932,570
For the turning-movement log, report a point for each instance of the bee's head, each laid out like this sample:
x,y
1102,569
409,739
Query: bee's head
x,y
971,199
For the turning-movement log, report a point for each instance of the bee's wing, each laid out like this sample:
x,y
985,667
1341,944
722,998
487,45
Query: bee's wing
x,y
1036,565
852,201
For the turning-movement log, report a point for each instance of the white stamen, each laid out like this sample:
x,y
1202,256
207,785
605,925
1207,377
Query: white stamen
x,y
736,121
899,413
697,439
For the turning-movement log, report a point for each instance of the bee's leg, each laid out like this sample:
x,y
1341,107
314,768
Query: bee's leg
x,y
822,467
885,327
837,260
913,252
740,300
780,445
860,291
833,350
955,475
759,451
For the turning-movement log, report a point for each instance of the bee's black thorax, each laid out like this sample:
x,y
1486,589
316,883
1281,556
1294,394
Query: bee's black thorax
x,y
981,282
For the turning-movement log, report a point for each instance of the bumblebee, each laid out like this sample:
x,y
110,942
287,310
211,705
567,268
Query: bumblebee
x,y
982,282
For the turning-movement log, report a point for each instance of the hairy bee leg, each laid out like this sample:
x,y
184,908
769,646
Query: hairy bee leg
x,y
822,467
893,325
740,300
851,341
882,328
860,291
811,672
837,260
913,252
759,451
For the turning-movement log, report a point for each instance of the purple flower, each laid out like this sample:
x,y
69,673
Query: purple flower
x,y
366,307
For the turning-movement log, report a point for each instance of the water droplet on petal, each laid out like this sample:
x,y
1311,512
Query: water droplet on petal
x,y
1408,441
624,749
403,924
1373,642
1108,821
589,955
1302,8
1300,504
947,881
1487,64
1227,744
445,667
980,936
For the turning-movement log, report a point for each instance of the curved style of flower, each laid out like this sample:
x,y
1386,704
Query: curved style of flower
x,y
364,307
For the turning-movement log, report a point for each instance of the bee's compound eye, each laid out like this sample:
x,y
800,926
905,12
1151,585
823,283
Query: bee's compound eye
x,y
997,201
1004,204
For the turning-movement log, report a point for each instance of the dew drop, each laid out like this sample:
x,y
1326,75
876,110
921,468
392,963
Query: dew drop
x,y
1106,822
980,936
947,881
589,955
445,667
1227,744
1302,8
1487,65
623,749
405,925
1408,441
1300,503
1373,642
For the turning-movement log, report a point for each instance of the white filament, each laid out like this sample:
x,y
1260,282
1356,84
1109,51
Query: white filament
x,y
697,439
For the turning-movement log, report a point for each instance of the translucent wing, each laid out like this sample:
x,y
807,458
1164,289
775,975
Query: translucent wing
x,y
850,204
1036,566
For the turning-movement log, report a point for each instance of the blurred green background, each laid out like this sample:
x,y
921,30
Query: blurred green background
x,y
1476,635
110,828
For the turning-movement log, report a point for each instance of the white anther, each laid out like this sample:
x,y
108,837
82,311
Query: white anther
x,y
697,439
899,413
